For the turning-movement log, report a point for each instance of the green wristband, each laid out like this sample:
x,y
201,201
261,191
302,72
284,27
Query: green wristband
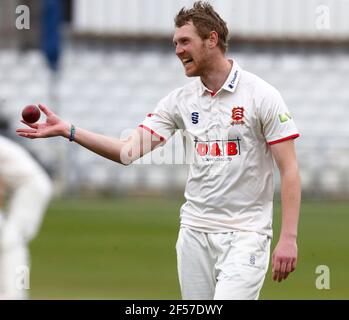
x,y
72,133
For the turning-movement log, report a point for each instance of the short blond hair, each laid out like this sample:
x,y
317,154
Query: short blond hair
x,y
205,19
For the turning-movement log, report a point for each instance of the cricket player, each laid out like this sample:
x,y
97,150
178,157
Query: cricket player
x,y
28,190
235,125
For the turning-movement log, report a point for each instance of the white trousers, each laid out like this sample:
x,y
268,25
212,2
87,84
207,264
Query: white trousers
x,y
14,273
222,266
17,229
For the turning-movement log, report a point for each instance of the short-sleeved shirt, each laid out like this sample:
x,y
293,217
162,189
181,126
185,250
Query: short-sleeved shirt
x,y
227,135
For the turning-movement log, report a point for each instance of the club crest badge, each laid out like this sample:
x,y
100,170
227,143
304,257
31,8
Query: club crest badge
x,y
238,116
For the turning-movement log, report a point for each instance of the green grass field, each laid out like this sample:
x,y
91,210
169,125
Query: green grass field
x,y
125,249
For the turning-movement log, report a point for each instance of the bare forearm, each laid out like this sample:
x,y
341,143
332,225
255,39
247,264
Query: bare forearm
x,y
290,202
107,147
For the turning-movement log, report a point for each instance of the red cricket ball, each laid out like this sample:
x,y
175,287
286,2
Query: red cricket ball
x,y
31,114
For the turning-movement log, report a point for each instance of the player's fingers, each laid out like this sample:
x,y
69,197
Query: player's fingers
x,y
276,268
31,125
293,264
288,269
25,131
29,135
289,266
286,275
275,275
276,263
45,110
280,274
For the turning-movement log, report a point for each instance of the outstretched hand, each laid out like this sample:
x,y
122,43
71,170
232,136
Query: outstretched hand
x,y
53,126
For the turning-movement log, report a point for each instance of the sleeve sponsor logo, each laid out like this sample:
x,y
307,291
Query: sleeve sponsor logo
x,y
285,117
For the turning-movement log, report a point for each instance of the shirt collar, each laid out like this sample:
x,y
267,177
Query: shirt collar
x,y
231,82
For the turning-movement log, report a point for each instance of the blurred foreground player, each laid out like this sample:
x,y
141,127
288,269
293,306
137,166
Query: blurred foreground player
x,y
28,190
235,125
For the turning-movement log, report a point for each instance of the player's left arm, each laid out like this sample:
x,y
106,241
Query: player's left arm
x,y
284,258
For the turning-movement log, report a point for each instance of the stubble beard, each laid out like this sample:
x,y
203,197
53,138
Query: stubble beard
x,y
200,65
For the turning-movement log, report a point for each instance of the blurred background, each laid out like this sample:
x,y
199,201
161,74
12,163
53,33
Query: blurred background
x,y
103,65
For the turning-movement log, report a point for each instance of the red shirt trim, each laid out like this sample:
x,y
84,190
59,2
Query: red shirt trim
x,y
294,136
152,132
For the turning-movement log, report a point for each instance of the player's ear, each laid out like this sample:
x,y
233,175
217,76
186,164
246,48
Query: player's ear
x,y
213,39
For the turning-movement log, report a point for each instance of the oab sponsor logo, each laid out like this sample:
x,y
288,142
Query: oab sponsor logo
x,y
217,147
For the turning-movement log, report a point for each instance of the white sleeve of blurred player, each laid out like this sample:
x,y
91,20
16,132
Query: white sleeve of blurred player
x,y
29,189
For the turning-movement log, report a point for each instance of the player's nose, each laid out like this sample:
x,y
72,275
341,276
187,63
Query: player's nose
x,y
179,50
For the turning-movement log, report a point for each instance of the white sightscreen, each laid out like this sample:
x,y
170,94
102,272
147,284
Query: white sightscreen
x,y
251,18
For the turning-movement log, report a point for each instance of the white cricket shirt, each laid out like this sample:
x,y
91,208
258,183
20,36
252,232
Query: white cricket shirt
x,y
230,183
17,167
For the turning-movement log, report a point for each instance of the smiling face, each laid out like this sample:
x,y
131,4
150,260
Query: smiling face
x,y
191,50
